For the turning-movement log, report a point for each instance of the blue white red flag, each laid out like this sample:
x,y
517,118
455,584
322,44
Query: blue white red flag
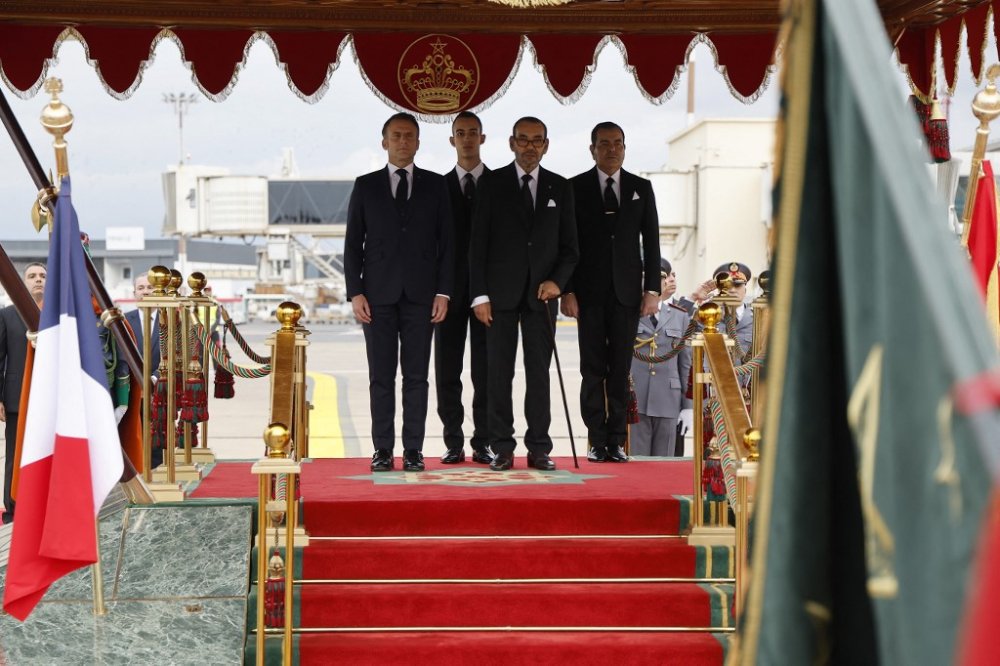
x,y
71,457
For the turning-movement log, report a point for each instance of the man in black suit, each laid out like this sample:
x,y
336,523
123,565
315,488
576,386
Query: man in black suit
x,y
449,336
523,252
398,261
617,278
141,288
13,350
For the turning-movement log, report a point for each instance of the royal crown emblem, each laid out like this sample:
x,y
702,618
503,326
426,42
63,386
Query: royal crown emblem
x,y
445,80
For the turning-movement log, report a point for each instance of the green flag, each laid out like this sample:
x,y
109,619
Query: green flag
x,y
871,486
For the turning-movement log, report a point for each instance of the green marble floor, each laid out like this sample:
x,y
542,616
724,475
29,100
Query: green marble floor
x,y
175,582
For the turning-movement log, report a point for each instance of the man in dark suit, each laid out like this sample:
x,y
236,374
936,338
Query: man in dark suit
x,y
523,252
617,278
449,336
399,265
13,350
141,288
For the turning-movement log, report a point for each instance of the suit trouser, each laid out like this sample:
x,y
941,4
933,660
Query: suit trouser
x,y
653,436
606,334
536,347
10,435
449,358
399,331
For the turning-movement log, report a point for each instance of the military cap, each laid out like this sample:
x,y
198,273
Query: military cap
x,y
665,266
739,272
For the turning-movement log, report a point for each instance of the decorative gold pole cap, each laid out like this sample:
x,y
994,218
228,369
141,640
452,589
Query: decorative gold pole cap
x,y
176,280
57,118
197,282
764,280
276,437
751,441
159,278
709,314
986,103
288,315
724,282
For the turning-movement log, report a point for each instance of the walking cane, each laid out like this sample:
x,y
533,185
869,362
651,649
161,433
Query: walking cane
x,y
562,386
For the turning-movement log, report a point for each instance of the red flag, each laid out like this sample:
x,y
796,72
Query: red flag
x,y
980,646
71,455
983,246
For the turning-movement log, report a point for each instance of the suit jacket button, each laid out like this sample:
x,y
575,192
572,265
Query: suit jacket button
x,y
404,229
529,243
653,372
612,236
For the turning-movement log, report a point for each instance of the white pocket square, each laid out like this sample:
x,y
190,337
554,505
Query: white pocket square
x,y
635,195
552,203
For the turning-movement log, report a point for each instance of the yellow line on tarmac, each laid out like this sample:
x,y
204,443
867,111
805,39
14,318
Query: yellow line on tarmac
x,y
325,438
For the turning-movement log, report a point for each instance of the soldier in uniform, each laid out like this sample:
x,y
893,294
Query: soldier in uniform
x,y
743,313
660,387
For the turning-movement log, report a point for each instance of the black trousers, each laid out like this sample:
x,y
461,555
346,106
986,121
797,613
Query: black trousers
x,y
449,359
10,435
606,333
399,335
536,347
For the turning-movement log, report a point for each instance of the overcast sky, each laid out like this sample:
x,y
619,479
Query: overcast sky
x,y
119,149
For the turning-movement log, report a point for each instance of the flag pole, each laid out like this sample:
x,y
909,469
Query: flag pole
x,y
986,107
95,573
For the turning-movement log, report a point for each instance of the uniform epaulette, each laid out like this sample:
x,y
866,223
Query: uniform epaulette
x,y
677,307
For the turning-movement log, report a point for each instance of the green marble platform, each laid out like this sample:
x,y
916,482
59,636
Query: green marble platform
x,y
175,585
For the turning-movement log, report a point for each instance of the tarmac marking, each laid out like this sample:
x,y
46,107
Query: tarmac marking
x,y
326,440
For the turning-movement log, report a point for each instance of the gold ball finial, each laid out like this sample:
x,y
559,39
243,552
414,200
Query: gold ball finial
x,y
159,278
724,281
276,437
57,119
764,280
176,280
288,314
751,441
197,282
986,103
709,315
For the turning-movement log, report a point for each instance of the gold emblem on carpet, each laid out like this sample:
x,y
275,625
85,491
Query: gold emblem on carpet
x,y
469,476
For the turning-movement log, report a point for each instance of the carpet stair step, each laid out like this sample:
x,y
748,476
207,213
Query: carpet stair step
x,y
402,605
511,648
470,558
516,516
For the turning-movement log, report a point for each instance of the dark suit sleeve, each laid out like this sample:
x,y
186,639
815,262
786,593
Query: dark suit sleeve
x,y
650,240
354,241
3,354
480,240
446,242
569,248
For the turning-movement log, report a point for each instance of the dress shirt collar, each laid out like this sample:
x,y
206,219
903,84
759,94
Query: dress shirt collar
x,y
476,172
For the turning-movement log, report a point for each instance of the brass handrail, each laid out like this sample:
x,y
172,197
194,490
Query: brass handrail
x,y
727,389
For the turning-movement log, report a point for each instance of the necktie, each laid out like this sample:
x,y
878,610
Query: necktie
x,y
402,190
526,200
469,188
610,200
653,319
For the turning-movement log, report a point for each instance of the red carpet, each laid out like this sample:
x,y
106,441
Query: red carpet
x,y
503,648
603,526
635,498
480,558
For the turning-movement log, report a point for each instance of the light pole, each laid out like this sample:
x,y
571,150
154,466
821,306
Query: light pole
x,y
180,102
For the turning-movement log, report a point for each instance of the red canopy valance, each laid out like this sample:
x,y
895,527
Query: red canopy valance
x,y
429,74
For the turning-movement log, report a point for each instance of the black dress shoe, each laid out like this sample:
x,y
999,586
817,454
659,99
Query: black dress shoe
x,y
502,462
413,461
382,460
541,461
453,456
482,456
616,454
597,454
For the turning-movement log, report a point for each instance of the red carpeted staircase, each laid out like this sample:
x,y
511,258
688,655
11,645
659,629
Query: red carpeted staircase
x,y
460,565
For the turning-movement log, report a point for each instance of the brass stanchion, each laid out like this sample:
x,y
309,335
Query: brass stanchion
x,y
202,305
746,476
761,316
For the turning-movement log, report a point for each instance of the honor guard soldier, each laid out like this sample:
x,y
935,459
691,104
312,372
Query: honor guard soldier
x,y
660,387
741,317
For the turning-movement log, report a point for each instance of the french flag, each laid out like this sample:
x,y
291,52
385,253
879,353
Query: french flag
x,y
71,456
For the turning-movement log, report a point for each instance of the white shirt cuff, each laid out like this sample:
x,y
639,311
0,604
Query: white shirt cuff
x,y
479,300
444,296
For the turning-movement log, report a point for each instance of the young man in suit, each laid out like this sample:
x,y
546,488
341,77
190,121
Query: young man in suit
x,y
617,278
523,252
399,265
660,387
449,336
13,350
140,289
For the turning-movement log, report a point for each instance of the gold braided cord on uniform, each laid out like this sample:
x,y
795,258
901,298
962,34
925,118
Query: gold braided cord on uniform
x,y
663,358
